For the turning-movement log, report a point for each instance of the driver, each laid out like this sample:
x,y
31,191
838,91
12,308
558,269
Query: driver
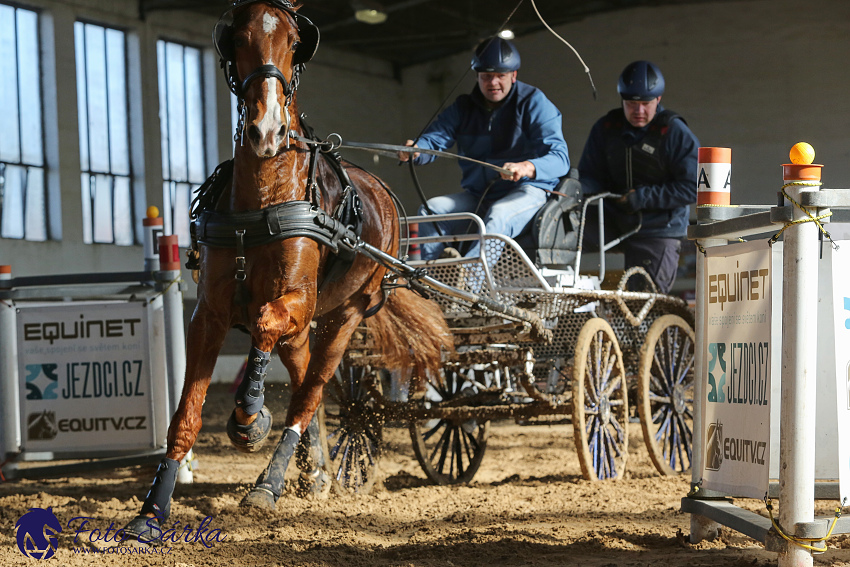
x,y
648,155
504,122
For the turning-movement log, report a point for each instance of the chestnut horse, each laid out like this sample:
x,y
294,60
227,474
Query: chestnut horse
x,y
266,267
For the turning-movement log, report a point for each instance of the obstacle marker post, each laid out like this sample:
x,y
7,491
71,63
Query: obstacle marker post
x,y
714,180
169,281
152,227
799,364
10,441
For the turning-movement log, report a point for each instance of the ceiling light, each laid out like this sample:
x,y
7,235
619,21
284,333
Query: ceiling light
x,y
368,12
506,34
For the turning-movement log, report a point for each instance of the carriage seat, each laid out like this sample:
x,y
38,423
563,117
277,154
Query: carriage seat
x,y
551,238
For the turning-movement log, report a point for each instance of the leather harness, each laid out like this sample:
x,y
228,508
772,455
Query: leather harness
x,y
291,219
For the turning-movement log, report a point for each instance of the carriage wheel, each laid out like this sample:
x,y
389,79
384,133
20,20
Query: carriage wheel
x,y
666,394
600,402
353,429
450,450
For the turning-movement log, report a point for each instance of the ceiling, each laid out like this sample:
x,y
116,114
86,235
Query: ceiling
x,y
417,31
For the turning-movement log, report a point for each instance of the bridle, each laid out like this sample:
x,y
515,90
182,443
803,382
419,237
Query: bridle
x,y
304,50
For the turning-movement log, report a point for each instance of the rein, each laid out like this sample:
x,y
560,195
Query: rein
x,y
335,141
390,149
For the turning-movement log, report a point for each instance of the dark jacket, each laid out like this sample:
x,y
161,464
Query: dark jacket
x,y
527,126
658,161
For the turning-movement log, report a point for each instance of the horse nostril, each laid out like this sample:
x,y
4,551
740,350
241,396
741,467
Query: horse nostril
x,y
254,134
282,132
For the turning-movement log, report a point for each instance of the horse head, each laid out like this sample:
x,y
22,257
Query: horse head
x,y
263,45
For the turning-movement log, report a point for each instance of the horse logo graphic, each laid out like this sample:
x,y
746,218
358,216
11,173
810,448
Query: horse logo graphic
x,y
714,446
37,533
42,426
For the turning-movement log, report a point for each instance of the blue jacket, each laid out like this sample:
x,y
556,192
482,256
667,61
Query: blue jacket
x,y
664,178
527,126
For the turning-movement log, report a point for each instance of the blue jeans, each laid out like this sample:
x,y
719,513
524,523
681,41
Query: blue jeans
x,y
508,215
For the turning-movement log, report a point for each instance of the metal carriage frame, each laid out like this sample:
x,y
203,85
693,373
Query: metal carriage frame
x,y
533,344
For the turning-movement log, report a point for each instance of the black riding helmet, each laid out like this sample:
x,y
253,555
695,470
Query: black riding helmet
x,y
641,80
495,55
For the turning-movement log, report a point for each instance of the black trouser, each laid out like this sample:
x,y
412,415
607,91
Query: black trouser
x,y
658,256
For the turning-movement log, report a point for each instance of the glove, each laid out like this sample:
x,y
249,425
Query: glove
x,y
624,203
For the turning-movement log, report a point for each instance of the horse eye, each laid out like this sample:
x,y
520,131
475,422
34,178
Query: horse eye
x,y
238,42
295,45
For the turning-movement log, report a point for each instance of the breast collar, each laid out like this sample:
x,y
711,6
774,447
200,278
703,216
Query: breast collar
x,y
302,218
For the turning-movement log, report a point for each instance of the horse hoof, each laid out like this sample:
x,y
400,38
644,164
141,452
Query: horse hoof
x,y
314,484
249,438
259,498
143,531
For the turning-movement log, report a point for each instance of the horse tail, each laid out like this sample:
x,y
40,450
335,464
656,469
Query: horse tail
x,y
410,331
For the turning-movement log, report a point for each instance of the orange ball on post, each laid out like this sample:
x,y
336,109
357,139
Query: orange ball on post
x,y
802,153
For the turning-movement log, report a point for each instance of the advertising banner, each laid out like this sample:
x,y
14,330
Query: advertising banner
x,y
737,385
841,321
85,376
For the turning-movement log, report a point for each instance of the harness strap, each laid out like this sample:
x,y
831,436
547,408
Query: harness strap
x,y
312,186
240,255
286,220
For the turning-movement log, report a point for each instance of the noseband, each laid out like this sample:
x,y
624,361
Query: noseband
x,y
269,71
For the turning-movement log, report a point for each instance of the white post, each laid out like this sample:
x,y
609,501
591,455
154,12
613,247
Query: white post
x,y
168,280
10,440
799,369
702,528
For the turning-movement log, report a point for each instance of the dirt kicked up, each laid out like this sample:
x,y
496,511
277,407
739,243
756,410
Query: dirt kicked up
x,y
528,505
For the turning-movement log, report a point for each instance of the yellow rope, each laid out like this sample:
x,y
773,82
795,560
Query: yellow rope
x,y
811,217
695,488
798,540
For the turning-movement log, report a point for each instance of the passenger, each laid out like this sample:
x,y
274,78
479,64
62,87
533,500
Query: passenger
x,y
648,155
504,122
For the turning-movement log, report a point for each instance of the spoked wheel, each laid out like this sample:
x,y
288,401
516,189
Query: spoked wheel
x,y
450,450
666,394
354,429
600,402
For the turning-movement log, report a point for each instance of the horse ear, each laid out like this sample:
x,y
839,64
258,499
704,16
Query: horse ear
x,y
308,36
223,39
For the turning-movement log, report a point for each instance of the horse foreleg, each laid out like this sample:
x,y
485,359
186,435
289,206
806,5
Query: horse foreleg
x,y
328,349
289,318
206,336
251,422
310,459
331,341
335,329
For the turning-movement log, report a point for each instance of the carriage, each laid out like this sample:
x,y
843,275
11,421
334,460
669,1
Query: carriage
x,y
606,358
297,247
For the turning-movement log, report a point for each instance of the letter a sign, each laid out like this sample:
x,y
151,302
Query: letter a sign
x,y
714,181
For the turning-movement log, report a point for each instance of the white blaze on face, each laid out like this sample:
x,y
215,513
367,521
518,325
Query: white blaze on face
x,y
269,23
270,122
271,118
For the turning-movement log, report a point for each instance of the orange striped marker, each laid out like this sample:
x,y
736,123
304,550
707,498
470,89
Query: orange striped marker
x,y
169,253
714,182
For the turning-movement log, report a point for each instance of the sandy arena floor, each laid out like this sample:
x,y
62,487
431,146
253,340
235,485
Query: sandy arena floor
x,y
528,505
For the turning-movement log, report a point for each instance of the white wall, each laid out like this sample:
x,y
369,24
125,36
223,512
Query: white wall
x,y
756,76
